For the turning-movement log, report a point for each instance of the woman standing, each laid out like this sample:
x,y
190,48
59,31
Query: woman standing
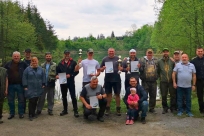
x,y
33,83
3,89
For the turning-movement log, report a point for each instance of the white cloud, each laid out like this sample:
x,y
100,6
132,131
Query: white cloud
x,y
84,17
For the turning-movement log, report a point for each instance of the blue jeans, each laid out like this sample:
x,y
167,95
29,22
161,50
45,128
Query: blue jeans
x,y
131,114
186,92
12,90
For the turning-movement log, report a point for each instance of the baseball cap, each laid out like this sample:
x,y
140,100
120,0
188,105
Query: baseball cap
x,y
165,49
66,51
90,50
176,52
132,50
28,50
149,50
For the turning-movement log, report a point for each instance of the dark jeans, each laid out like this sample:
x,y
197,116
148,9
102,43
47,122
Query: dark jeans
x,y
64,90
166,88
49,92
102,107
200,87
151,89
32,106
186,92
12,90
131,114
1,107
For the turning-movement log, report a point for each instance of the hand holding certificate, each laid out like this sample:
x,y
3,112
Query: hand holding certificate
x,y
134,67
109,67
94,102
62,78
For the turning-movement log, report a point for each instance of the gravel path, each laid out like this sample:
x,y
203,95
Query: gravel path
x,y
157,125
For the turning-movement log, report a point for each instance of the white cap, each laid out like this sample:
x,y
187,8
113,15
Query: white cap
x,y
132,50
133,89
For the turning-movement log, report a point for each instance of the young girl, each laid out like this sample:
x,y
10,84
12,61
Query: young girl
x,y
132,101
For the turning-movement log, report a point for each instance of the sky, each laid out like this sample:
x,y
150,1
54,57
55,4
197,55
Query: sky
x,y
84,17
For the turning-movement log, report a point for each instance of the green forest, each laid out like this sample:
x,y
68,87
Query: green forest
x,y
180,26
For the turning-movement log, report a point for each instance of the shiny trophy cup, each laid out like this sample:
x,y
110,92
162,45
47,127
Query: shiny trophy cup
x,y
80,53
128,65
119,63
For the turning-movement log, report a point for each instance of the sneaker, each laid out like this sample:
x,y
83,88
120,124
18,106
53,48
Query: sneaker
x,y
143,120
127,122
107,111
100,119
76,114
50,113
131,122
63,113
1,121
21,116
152,111
118,111
38,112
165,110
179,114
30,118
190,114
11,116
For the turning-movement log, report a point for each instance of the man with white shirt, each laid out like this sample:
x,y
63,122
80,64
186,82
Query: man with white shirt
x,y
89,64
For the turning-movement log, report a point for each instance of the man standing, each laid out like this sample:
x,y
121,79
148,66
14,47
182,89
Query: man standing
x,y
176,57
148,75
185,72
50,71
88,64
142,103
27,58
15,70
199,66
3,89
165,70
90,90
132,56
67,65
112,80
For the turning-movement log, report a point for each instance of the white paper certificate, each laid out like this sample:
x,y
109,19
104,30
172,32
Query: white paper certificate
x,y
109,67
93,102
62,78
91,70
134,67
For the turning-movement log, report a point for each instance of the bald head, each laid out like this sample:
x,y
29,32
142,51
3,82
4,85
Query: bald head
x,y
184,58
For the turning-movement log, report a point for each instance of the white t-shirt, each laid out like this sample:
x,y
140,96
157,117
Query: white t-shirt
x,y
85,63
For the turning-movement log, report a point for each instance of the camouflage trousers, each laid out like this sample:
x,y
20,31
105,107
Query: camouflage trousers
x,y
151,89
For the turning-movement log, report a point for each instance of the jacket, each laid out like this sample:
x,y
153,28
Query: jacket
x,y
22,66
33,80
51,73
199,66
132,98
68,68
3,77
165,70
148,69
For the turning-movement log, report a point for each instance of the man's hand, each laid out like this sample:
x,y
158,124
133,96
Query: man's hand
x,y
79,60
57,77
99,97
128,69
103,68
135,104
88,106
175,85
68,76
193,88
120,68
43,86
6,92
25,89
138,65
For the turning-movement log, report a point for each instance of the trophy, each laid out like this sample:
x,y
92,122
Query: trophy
x,y
128,65
119,63
80,53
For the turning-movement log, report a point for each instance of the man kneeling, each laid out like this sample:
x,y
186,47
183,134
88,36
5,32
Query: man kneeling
x,y
91,90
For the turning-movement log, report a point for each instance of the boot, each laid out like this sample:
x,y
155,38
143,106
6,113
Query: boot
x,y
118,111
107,111
76,114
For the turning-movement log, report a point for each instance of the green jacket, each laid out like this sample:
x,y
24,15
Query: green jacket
x,y
50,81
165,69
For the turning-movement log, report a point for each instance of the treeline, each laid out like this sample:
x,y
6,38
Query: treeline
x,y
23,27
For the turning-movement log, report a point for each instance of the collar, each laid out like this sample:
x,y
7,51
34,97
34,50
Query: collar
x,y
145,57
185,64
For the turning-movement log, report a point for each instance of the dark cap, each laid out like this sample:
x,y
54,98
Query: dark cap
x,y
176,52
150,50
28,50
165,49
90,50
66,51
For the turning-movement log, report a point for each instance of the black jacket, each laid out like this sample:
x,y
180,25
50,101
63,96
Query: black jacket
x,y
68,68
140,92
199,66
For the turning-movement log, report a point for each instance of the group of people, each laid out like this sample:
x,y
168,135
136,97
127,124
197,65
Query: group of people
x,y
33,82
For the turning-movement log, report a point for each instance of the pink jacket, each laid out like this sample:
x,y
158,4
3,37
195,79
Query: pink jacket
x,y
133,98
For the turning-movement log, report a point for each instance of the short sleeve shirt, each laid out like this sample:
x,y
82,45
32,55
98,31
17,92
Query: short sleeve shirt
x,y
85,63
184,74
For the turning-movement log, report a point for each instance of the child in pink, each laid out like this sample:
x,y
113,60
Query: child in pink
x,y
132,101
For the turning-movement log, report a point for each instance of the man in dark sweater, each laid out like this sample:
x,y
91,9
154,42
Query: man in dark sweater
x,y
15,70
67,65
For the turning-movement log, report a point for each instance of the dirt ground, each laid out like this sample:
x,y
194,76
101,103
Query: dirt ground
x,y
45,125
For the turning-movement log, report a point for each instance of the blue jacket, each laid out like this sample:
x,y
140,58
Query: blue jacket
x,y
33,80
